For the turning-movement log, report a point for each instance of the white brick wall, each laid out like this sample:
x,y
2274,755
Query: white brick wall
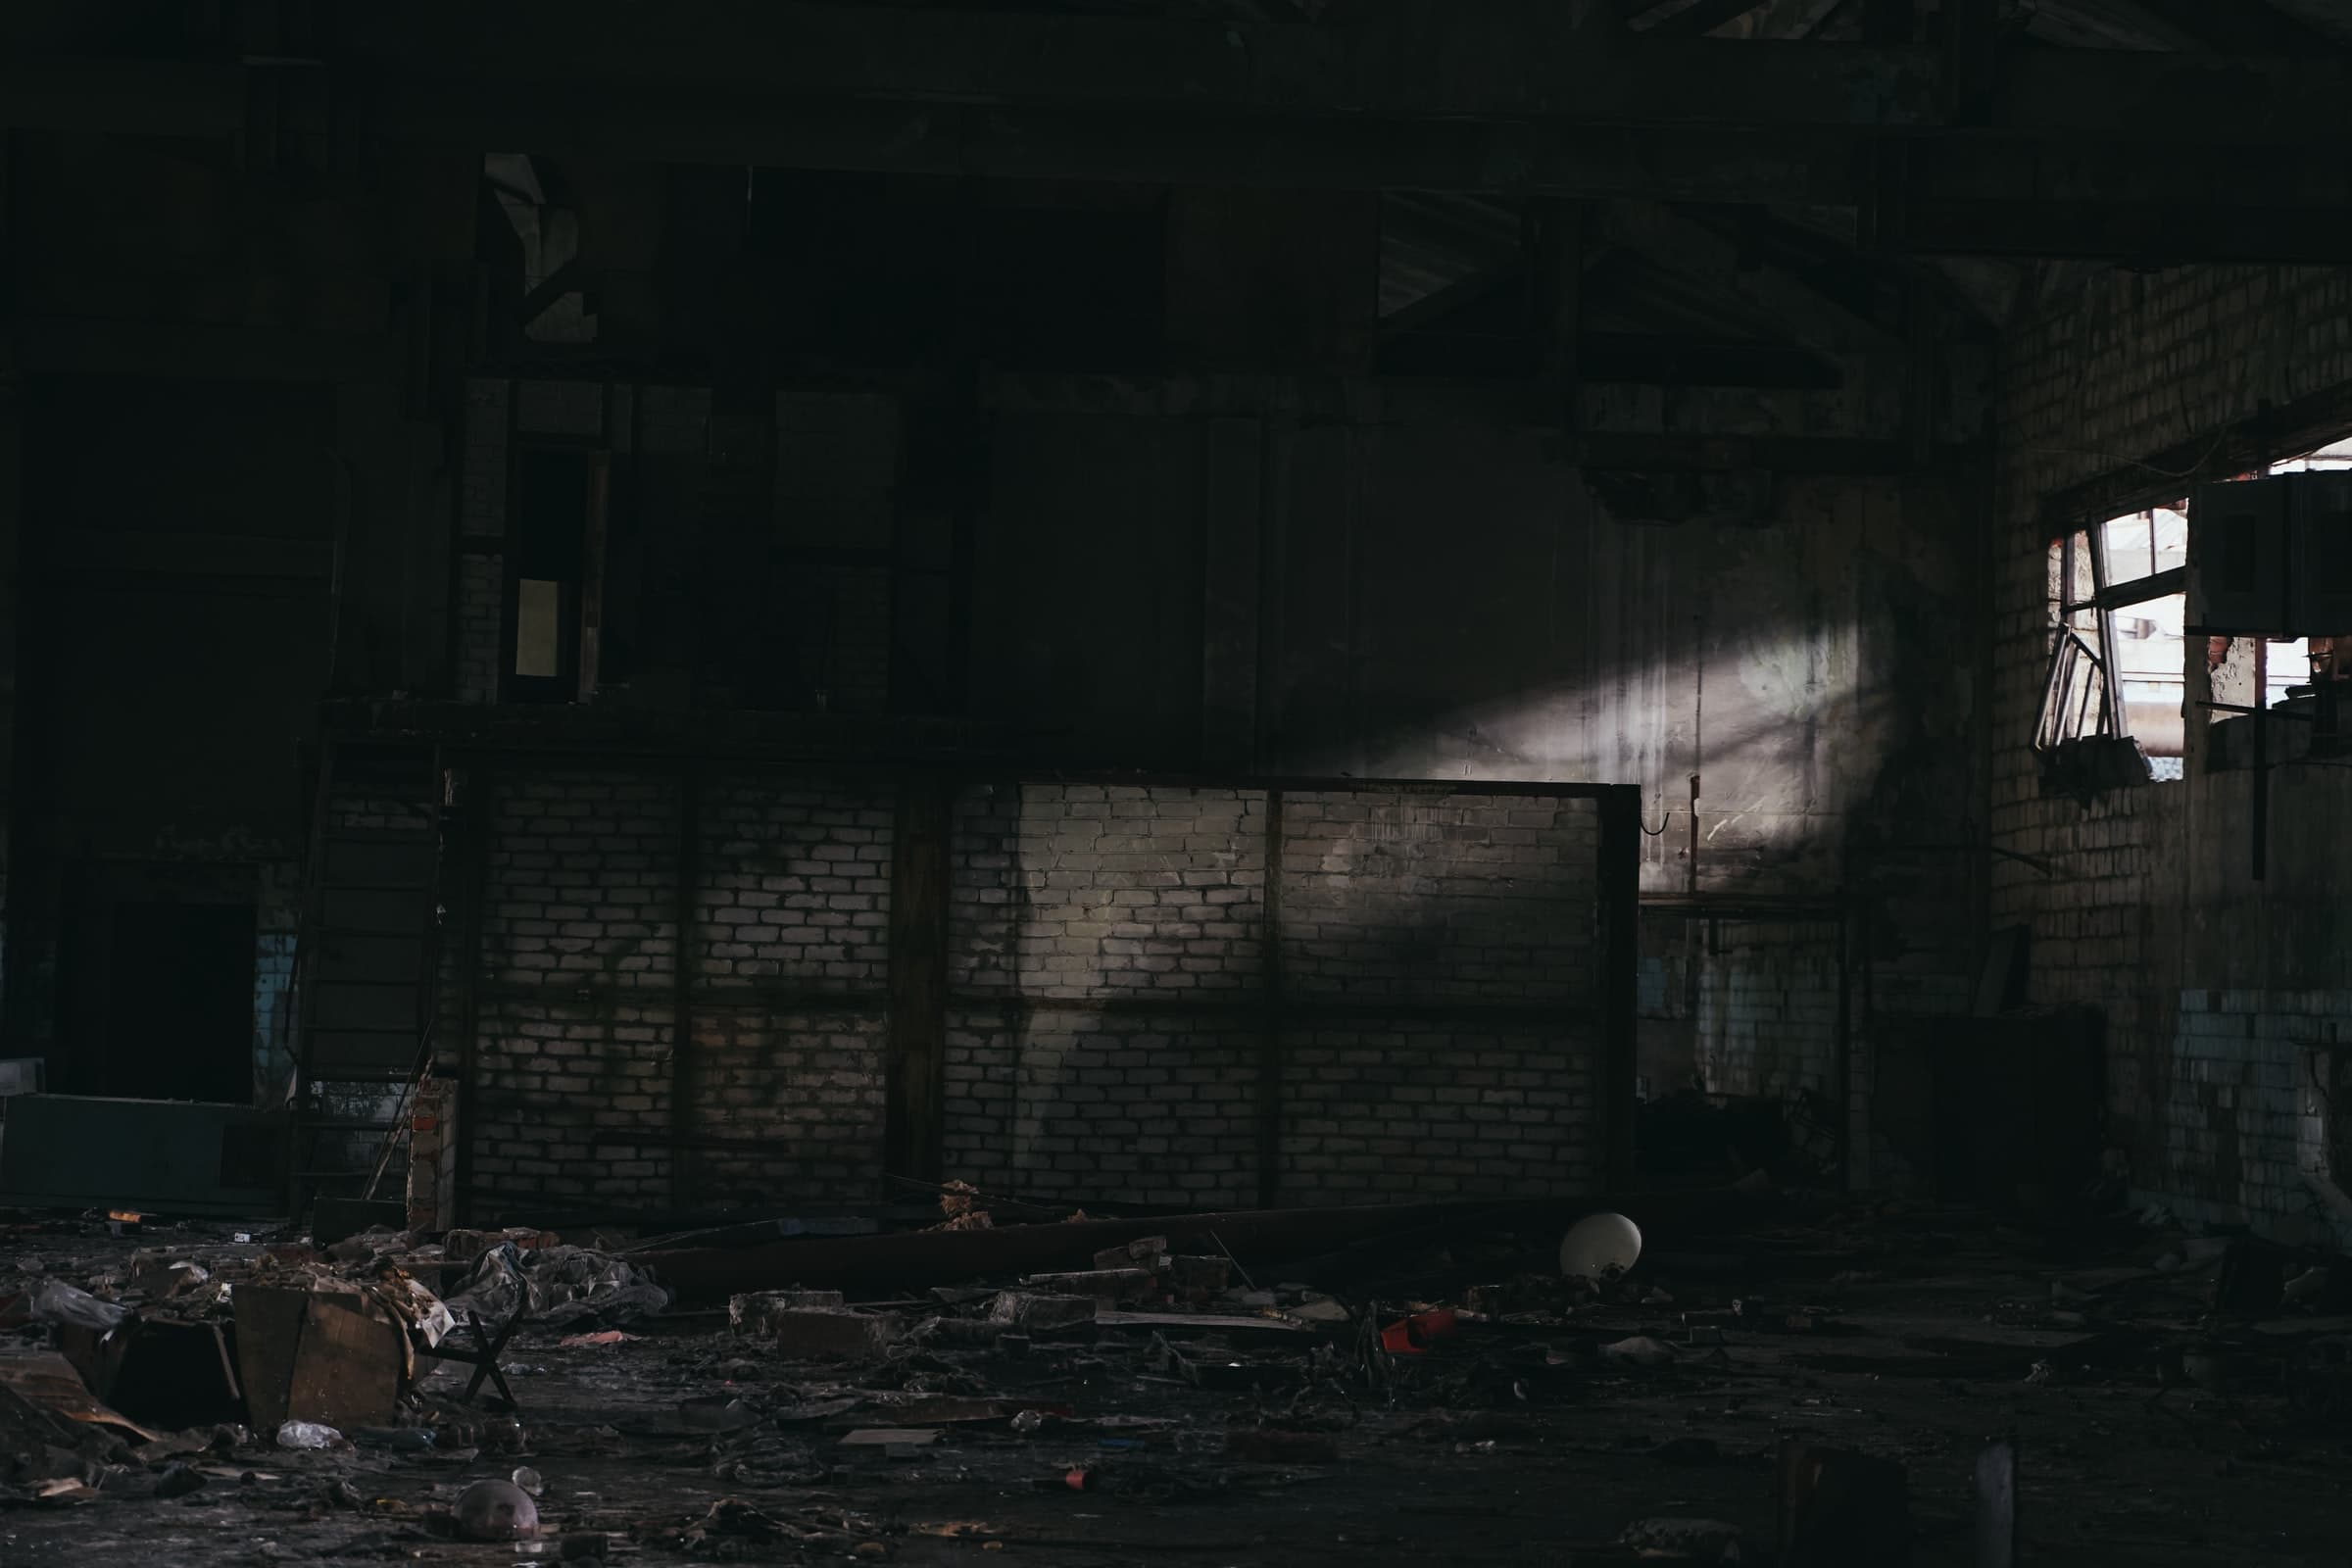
x,y
2142,364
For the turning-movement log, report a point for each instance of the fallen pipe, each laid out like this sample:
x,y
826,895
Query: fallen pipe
x,y
918,1259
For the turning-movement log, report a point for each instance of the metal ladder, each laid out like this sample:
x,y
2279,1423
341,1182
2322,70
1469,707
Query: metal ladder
x,y
367,961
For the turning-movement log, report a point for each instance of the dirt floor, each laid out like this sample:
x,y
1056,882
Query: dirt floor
x,y
1915,1337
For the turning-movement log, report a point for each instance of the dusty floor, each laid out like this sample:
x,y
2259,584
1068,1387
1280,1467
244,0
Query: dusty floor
x,y
1918,1338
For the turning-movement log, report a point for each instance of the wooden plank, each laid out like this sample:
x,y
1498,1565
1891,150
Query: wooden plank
x,y
914,1125
1198,1320
46,1378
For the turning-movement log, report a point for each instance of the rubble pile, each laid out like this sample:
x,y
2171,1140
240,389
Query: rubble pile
x,y
1154,1379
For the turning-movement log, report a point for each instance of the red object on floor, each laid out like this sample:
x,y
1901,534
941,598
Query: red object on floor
x,y
1414,1334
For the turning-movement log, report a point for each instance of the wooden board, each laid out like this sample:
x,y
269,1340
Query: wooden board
x,y
305,1356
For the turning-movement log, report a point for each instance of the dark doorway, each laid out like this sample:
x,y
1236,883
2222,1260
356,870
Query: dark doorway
x,y
160,1001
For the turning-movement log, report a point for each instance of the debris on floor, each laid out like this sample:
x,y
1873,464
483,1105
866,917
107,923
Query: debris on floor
x,y
1813,1386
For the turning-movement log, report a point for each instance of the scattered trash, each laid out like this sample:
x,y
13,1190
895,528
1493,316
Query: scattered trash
x,y
1040,1312
556,1287
528,1480
890,1438
814,1325
1692,1541
1600,1247
1640,1351
1841,1509
55,1302
582,1342
960,1202
495,1510
1273,1445
1996,1506
308,1435
1414,1334
400,1439
716,1412
179,1480
327,1352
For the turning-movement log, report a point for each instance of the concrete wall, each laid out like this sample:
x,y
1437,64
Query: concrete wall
x,y
2212,984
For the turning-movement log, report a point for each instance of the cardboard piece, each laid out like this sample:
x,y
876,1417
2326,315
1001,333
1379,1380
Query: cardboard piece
x,y
332,1357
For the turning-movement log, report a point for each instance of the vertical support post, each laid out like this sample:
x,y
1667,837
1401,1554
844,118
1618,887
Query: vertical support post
x,y
1558,300
915,1076
11,507
592,571
1619,891
477,822
1844,1073
1232,578
1270,1037
681,984
2110,688
1972,49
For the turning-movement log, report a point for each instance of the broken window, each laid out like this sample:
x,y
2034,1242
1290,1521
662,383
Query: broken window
x,y
2116,704
2112,705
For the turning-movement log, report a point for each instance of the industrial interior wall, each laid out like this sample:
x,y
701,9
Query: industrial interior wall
x,y
1222,997
1375,595
1109,1028
1159,583
2142,900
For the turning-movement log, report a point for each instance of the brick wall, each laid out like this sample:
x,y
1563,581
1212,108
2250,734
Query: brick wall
x,y
578,936
480,623
277,925
1110,1033
572,1105
787,955
791,949
1768,1008
2140,363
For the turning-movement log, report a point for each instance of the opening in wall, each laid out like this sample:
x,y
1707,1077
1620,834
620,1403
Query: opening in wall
x,y
2116,704
2112,707
555,575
